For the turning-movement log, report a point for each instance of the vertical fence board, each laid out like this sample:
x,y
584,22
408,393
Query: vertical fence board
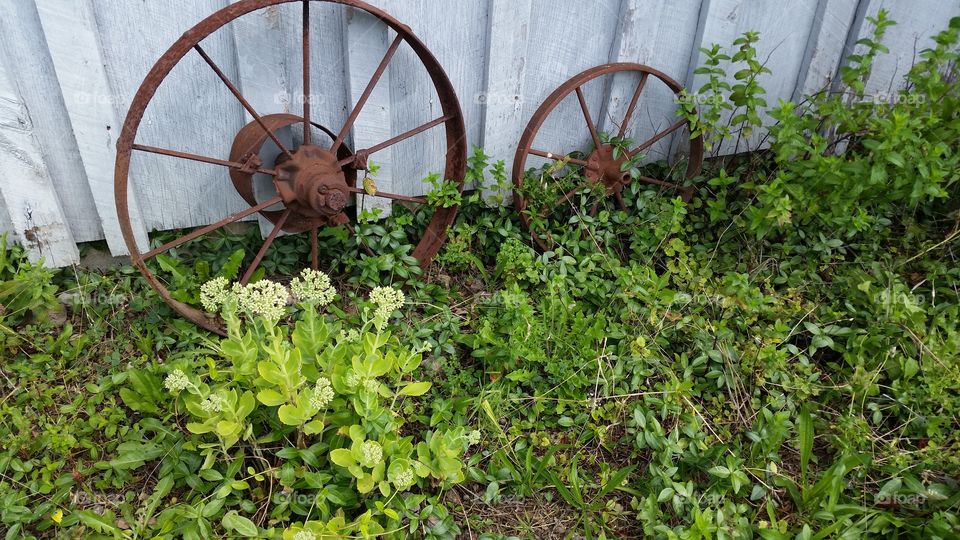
x,y
6,227
503,98
33,206
31,69
367,41
644,27
917,22
825,46
784,34
72,36
191,111
263,77
460,51
567,37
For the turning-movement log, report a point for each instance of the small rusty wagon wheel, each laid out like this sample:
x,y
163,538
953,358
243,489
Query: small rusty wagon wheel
x,y
605,169
314,182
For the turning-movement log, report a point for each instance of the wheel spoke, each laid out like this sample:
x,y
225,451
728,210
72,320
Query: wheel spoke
x,y
385,195
658,136
196,157
566,197
395,140
559,157
243,101
359,240
620,201
266,245
586,117
306,73
657,182
585,228
633,104
366,93
212,227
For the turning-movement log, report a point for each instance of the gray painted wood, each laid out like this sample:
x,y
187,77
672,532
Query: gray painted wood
x,y
502,102
644,27
34,209
567,41
784,34
73,40
825,46
81,61
263,77
917,21
6,227
36,79
192,110
367,42
455,32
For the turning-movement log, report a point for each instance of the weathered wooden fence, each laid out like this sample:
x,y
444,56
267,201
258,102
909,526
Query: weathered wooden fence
x,y
69,68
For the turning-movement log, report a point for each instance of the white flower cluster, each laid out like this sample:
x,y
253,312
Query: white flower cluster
x,y
352,379
350,336
322,394
473,437
176,381
371,385
214,293
313,286
387,300
213,404
404,478
265,298
304,535
370,453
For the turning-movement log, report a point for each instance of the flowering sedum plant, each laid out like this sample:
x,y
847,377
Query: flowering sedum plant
x,y
320,407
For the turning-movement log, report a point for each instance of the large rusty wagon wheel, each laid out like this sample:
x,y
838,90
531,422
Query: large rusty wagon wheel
x,y
314,182
600,169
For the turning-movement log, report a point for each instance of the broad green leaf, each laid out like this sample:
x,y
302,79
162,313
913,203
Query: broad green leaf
x,y
100,523
243,526
290,415
225,428
365,483
314,427
380,366
341,496
270,397
211,475
910,368
415,389
242,353
410,362
198,428
311,334
131,455
342,457
719,471
245,405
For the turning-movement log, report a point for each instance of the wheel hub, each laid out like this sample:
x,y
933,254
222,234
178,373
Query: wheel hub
x,y
605,169
310,182
314,180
